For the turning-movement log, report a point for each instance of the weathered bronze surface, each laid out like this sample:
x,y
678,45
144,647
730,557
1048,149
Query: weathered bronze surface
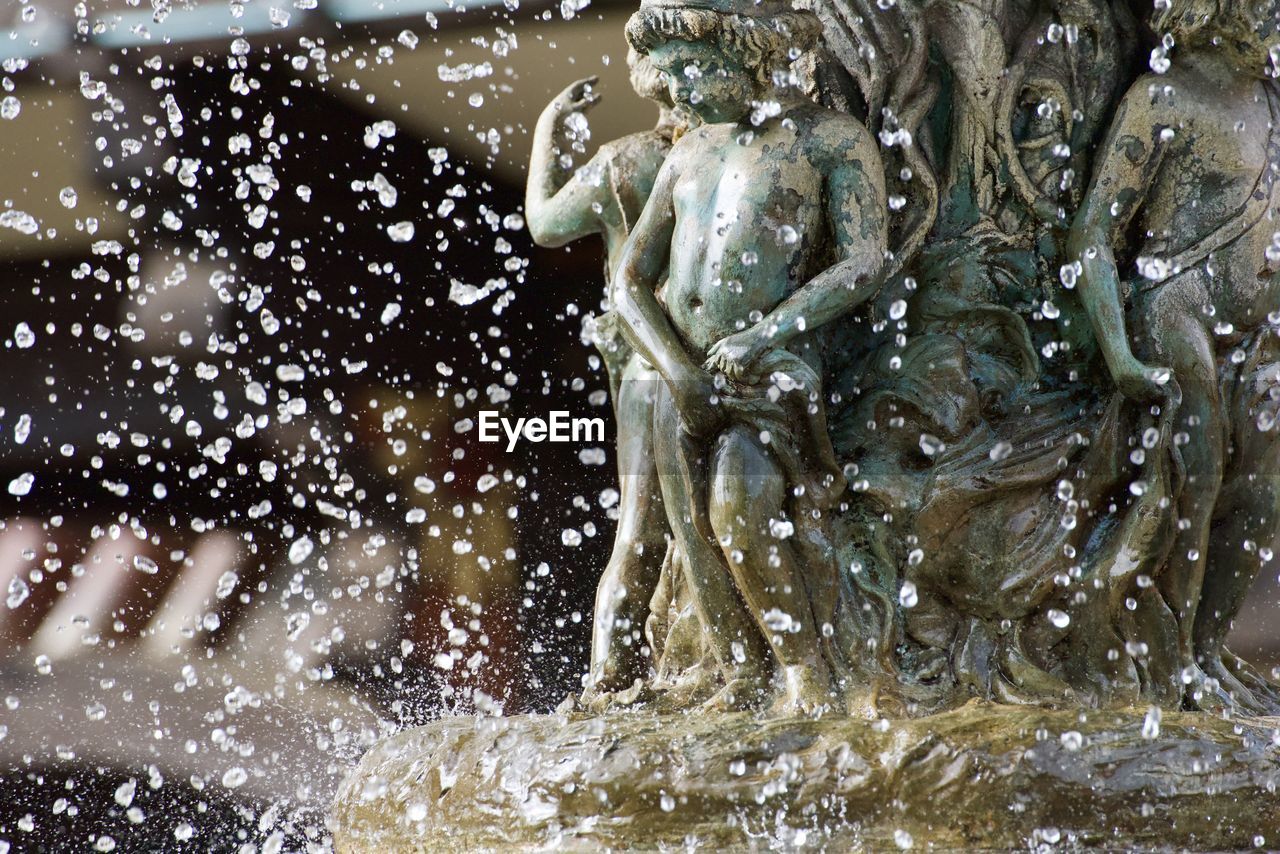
x,y
877,349
942,338
981,777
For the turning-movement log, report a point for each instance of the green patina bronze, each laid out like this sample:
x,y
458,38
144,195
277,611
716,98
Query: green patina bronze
x,y
882,337
943,342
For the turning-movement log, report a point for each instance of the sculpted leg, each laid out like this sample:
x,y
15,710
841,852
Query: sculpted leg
x,y
1184,343
1248,527
622,597
748,491
733,639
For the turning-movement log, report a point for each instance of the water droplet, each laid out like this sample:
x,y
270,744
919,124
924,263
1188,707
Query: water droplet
x,y
1159,61
400,232
295,623
21,485
10,107
22,429
931,445
1151,724
781,529
907,596
1069,273
18,592
300,549
235,777
23,336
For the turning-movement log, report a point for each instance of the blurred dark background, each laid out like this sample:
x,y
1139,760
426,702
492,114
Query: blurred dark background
x,y
230,295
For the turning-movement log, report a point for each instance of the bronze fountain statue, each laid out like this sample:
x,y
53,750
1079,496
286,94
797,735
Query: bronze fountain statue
x,y
943,343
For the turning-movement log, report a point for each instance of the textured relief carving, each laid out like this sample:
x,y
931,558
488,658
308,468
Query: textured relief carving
x,y
942,343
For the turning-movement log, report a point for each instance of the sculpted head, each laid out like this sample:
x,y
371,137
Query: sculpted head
x,y
717,62
1247,30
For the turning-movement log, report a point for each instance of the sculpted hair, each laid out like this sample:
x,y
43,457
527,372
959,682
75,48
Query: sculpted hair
x,y
762,44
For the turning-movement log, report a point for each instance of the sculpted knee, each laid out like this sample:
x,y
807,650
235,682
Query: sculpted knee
x,y
725,509
729,497
746,488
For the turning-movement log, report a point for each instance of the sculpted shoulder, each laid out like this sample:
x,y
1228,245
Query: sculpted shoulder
x,y
837,137
695,143
641,152
1166,97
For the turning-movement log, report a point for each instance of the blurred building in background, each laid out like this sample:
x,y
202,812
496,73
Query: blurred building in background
x,y
264,264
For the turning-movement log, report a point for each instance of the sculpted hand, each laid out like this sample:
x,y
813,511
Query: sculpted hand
x,y
698,415
1137,381
735,354
575,98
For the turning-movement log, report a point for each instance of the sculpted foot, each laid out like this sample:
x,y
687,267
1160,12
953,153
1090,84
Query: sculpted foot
x,y
1238,694
611,678
598,700
1204,692
806,690
739,695
1265,691
687,693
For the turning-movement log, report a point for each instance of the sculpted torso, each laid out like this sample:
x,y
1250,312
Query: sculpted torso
x,y
749,221
1213,164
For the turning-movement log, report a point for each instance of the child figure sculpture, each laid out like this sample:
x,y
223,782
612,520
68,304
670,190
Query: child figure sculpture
x,y
766,222
1191,160
605,197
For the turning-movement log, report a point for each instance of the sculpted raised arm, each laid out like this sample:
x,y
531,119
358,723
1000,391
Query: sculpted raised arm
x,y
561,206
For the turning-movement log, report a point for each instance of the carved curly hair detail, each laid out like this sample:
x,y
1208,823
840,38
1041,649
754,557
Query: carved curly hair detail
x,y
762,44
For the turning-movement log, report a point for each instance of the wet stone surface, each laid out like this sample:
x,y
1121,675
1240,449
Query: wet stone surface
x,y
981,776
